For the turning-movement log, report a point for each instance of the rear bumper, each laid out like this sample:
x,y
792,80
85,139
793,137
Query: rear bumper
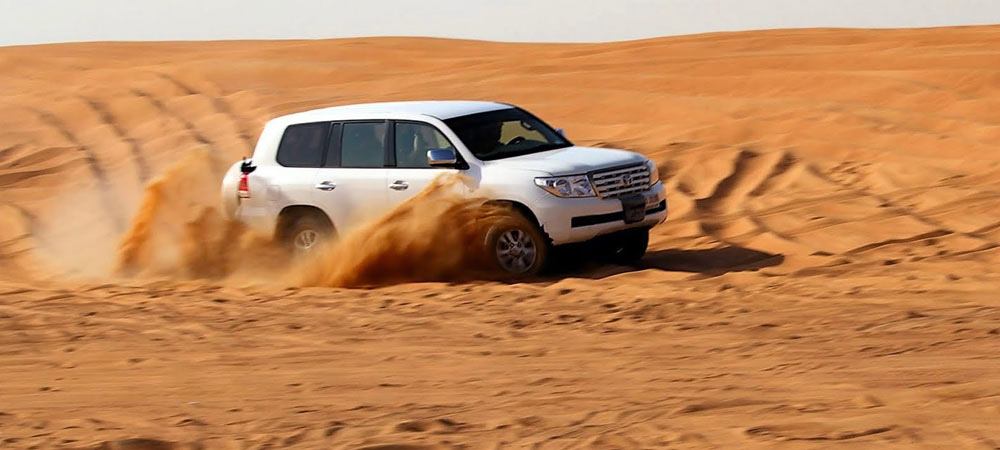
x,y
570,220
260,219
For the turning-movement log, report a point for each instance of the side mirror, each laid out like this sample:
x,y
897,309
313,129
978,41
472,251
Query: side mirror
x,y
442,157
561,132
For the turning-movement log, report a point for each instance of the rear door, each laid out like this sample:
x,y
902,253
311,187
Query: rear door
x,y
408,172
350,185
289,182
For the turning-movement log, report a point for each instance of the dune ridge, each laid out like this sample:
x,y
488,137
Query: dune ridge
x,y
827,276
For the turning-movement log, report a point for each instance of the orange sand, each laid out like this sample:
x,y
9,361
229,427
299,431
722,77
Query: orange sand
x,y
827,278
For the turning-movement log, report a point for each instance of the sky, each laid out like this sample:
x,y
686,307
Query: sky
x,y
47,21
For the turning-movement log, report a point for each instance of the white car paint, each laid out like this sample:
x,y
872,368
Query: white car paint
x,y
361,194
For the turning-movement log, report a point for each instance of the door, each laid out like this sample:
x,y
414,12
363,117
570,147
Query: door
x,y
273,187
408,172
350,186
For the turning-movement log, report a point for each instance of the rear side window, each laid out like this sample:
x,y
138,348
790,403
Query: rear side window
x,y
363,144
303,145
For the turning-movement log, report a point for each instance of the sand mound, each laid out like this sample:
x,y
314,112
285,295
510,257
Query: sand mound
x,y
827,275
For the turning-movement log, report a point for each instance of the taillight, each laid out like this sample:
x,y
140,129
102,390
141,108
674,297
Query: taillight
x,y
246,168
244,189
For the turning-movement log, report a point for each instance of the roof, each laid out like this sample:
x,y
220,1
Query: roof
x,y
441,109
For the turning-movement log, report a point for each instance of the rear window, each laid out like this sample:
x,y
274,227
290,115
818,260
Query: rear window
x,y
303,145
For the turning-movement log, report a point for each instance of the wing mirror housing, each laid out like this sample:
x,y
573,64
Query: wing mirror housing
x,y
442,157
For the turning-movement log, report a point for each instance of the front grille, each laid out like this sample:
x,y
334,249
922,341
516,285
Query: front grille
x,y
620,181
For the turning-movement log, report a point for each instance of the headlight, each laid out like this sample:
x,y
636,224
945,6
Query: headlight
x,y
569,186
654,175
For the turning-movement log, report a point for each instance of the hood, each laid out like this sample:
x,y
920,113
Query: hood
x,y
570,160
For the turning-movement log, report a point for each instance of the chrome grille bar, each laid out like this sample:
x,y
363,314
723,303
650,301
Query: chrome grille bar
x,y
621,181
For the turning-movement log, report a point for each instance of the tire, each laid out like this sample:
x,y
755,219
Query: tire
x,y
516,246
307,233
625,247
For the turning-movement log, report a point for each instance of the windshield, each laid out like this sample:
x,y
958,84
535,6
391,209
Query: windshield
x,y
505,133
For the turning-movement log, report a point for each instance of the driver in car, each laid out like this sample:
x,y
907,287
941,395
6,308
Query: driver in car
x,y
486,137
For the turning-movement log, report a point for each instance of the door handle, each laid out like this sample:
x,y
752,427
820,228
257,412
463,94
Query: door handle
x,y
399,185
326,186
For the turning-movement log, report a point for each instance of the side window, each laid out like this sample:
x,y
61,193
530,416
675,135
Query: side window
x,y
303,145
413,140
362,144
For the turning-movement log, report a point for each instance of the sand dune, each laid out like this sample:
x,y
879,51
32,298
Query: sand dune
x,y
827,276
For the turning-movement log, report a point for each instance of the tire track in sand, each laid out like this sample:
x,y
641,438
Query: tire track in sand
x,y
890,205
189,126
135,148
753,174
218,103
93,166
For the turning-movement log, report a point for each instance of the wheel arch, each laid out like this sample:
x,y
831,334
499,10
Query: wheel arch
x,y
524,210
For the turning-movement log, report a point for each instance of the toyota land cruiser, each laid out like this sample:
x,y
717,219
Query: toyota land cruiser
x,y
316,173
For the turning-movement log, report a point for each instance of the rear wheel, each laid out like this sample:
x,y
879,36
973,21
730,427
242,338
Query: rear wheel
x,y
307,233
516,246
624,247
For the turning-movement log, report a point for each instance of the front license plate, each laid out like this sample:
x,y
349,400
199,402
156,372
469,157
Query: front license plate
x,y
634,207
652,201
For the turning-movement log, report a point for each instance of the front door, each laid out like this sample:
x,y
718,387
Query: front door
x,y
409,173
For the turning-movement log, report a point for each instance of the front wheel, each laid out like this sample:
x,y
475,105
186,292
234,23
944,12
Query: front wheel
x,y
516,246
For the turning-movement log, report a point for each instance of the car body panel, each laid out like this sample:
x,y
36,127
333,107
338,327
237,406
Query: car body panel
x,y
359,195
410,182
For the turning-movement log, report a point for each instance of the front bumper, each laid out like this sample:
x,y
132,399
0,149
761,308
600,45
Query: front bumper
x,y
569,220
597,219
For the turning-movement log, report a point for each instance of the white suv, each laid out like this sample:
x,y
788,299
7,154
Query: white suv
x,y
321,172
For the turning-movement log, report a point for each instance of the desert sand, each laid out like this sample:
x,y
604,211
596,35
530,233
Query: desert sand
x,y
827,276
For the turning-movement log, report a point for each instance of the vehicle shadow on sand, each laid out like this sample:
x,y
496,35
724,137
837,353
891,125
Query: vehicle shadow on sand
x,y
710,261
578,262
